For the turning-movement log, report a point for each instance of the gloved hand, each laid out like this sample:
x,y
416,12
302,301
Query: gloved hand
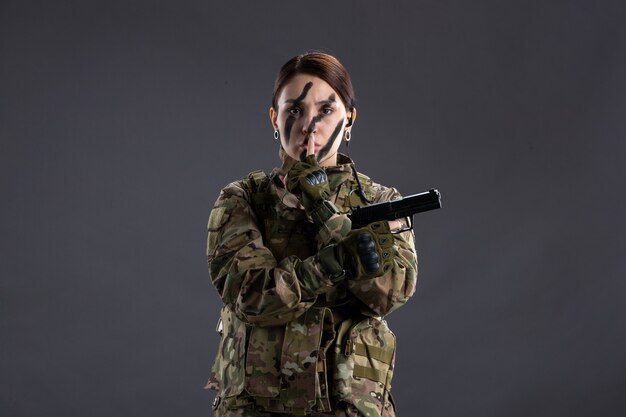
x,y
364,253
308,180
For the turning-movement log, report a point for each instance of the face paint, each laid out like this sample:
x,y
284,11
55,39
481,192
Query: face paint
x,y
288,126
311,127
328,102
296,102
329,145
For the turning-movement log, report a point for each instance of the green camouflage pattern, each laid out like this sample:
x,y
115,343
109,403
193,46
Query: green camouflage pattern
x,y
303,363
282,346
262,369
223,409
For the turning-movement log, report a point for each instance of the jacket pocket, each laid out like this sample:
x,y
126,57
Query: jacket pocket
x,y
262,361
364,359
303,362
228,370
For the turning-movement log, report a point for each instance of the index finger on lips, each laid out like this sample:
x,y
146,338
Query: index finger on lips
x,y
310,150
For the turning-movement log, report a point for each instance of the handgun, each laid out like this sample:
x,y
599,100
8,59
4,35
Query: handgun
x,y
396,209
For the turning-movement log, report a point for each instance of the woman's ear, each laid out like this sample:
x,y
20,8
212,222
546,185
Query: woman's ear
x,y
351,117
274,118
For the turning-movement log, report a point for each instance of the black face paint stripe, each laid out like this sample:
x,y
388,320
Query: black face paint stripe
x,y
317,118
333,138
288,126
296,102
330,100
302,95
312,124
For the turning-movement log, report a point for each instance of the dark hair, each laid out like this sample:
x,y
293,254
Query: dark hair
x,y
321,65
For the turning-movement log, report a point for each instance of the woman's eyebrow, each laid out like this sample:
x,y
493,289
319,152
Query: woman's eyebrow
x,y
330,100
296,101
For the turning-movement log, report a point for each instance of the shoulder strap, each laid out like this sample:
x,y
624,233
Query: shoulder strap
x,y
360,192
261,198
257,182
366,185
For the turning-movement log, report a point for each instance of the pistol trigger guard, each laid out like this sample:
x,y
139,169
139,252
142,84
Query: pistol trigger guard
x,y
409,226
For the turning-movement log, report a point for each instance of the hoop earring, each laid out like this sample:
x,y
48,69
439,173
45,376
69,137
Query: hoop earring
x,y
347,136
276,134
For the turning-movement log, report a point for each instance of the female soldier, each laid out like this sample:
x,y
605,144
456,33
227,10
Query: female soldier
x,y
304,295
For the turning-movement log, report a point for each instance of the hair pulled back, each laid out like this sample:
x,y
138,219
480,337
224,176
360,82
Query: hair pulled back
x,y
321,65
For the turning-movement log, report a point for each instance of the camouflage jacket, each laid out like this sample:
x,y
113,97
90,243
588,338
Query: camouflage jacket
x,y
291,339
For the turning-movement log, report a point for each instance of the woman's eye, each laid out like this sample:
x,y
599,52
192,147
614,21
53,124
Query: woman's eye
x,y
294,110
327,110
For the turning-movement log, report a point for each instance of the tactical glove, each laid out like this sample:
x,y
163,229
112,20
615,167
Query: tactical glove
x,y
364,253
308,180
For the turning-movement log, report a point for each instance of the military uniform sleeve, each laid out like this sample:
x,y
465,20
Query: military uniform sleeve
x,y
384,294
333,230
261,290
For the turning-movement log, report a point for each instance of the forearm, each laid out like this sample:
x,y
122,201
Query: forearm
x,y
266,293
246,274
333,230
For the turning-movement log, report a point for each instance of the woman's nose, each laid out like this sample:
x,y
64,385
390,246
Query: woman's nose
x,y
307,130
310,125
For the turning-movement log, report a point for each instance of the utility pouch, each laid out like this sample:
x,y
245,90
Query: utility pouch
x,y
227,372
364,357
217,219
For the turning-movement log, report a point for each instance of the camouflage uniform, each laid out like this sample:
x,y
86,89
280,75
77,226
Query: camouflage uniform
x,y
293,341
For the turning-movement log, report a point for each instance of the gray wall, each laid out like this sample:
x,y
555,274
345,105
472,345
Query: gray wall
x,y
120,121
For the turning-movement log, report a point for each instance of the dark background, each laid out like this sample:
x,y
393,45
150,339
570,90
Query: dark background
x,y
120,122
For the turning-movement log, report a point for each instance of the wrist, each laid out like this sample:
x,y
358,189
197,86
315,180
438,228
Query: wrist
x,y
322,211
330,263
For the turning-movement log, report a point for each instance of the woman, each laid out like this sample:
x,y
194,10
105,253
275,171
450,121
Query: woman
x,y
301,328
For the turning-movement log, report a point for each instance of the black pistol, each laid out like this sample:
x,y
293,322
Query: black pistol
x,y
396,209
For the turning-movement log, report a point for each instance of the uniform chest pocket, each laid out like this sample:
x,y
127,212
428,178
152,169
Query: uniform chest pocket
x,y
290,237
